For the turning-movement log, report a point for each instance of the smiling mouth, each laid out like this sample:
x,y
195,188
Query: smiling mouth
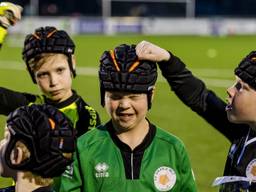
x,y
124,115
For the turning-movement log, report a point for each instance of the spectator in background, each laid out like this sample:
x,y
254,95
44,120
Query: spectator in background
x,y
38,145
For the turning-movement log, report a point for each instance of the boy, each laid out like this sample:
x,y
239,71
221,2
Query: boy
x,y
49,57
129,153
38,145
235,120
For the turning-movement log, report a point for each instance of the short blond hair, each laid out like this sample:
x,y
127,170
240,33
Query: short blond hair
x,y
29,175
36,62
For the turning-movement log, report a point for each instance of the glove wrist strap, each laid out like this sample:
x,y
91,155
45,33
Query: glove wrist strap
x,y
3,33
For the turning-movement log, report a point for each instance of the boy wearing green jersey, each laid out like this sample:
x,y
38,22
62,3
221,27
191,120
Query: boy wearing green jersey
x,y
128,153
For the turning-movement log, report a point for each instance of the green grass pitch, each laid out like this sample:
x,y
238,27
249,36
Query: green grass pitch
x,y
211,58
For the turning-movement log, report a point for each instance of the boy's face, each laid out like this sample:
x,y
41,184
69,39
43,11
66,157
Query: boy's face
x,y
54,78
241,106
127,110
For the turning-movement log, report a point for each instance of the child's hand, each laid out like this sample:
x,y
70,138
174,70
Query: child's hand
x,y
148,51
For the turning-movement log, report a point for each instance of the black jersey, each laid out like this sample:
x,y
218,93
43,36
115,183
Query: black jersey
x,y
8,189
241,159
83,116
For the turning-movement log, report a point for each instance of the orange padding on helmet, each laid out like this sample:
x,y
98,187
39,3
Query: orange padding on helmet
x,y
134,65
52,123
50,34
36,36
112,54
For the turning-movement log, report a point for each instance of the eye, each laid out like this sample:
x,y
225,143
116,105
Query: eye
x,y
238,86
60,69
41,75
115,97
135,96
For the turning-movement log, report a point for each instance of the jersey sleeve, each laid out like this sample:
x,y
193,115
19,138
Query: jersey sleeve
x,y
71,180
193,93
10,100
3,33
186,173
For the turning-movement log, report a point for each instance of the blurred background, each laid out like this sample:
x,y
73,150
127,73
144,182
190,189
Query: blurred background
x,y
210,17
165,17
144,8
210,36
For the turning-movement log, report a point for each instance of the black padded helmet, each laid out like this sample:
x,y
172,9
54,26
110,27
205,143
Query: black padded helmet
x,y
48,40
246,70
47,134
121,70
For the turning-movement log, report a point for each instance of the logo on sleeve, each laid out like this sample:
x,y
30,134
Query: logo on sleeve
x,y
251,170
102,170
164,178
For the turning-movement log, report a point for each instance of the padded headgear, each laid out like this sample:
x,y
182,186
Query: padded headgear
x,y
48,40
120,70
246,70
47,134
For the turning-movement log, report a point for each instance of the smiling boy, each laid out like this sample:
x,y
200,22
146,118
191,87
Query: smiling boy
x,y
129,153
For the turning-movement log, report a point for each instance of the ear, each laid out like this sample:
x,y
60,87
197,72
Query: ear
x,y
16,156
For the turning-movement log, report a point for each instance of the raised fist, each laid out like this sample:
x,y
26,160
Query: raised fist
x,y
9,14
149,51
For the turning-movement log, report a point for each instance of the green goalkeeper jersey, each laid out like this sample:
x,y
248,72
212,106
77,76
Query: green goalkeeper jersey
x,y
103,163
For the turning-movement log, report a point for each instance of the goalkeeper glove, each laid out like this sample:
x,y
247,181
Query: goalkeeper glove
x,y
9,14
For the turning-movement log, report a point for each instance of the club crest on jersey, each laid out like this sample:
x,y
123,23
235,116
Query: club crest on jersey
x,y
164,178
102,170
251,170
69,171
